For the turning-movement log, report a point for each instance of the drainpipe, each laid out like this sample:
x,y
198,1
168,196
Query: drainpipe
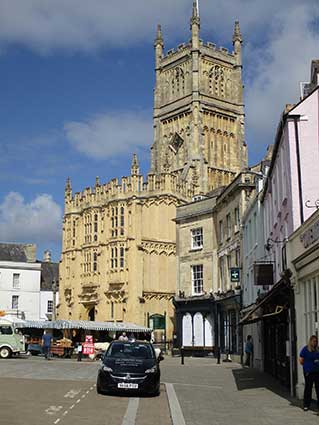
x,y
296,119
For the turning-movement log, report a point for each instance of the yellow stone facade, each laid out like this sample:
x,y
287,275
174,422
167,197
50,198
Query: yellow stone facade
x,y
119,239
119,250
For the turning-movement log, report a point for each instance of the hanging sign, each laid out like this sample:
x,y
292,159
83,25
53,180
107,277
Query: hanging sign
x,y
235,274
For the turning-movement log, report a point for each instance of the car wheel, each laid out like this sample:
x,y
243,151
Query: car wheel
x,y
98,387
5,353
157,392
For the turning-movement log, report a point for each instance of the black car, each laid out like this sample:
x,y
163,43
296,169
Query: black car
x,y
130,367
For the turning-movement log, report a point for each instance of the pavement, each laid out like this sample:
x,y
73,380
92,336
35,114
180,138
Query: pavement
x,y
34,391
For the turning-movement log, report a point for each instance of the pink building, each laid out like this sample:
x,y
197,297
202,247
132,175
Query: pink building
x,y
293,180
288,199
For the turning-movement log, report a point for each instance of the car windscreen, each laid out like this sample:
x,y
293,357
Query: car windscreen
x,y
130,351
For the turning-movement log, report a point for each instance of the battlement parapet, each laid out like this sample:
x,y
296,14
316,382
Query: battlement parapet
x,y
128,187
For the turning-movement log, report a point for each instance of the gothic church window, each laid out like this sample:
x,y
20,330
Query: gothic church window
x,y
95,262
114,258
122,221
217,81
122,253
178,83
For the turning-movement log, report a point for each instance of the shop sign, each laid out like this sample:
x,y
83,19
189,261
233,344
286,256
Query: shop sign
x,y
88,346
311,235
235,274
263,274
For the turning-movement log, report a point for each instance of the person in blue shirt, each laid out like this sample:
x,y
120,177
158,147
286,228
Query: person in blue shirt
x,y
249,349
309,359
46,344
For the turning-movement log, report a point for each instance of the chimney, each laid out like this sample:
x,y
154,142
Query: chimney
x,y
31,253
47,256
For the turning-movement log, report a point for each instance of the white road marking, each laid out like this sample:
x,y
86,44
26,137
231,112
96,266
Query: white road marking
x,y
65,413
71,407
78,401
91,388
52,410
57,421
83,395
131,412
72,393
87,392
195,385
174,406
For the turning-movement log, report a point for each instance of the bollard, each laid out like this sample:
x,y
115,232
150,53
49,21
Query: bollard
x,y
218,355
182,356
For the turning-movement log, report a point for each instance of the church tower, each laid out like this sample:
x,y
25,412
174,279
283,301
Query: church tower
x,y
199,110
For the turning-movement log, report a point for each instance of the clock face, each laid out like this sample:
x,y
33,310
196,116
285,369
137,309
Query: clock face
x,y
176,143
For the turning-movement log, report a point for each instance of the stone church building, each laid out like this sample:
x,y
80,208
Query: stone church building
x,y
119,238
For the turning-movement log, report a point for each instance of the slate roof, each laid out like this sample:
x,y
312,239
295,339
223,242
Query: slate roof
x,y
49,272
13,252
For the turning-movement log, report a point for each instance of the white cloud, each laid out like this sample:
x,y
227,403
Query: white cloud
x,y
39,221
85,25
278,69
280,41
110,135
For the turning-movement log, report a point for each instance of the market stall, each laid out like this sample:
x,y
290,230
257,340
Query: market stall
x,y
67,334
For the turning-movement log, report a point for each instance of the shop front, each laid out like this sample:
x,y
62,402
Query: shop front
x,y
303,261
274,315
195,324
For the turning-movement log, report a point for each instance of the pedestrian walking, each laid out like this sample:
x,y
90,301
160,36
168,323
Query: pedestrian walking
x,y
46,344
249,349
309,359
79,352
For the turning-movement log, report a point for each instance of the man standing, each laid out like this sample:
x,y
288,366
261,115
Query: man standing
x,y
46,344
79,349
123,337
249,348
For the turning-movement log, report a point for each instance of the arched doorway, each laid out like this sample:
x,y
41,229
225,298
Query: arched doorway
x,y
198,330
187,330
92,314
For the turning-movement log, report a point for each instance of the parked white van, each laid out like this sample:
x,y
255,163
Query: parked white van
x,y
11,340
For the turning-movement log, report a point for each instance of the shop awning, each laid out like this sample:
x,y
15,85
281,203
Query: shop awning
x,y
83,324
251,317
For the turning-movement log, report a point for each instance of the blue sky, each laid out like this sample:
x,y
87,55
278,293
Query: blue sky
x,y
73,72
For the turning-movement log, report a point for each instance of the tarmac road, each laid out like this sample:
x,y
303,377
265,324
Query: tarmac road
x,y
34,391
38,402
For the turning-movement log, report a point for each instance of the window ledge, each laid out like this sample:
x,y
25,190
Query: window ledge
x,y
196,249
198,294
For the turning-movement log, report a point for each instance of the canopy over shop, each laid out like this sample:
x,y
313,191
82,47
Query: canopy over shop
x,y
68,333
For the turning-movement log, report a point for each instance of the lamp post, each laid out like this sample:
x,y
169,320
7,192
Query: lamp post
x,y
54,289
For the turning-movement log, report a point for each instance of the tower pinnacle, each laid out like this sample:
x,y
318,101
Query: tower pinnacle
x,y
159,41
237,34
68,188
135,168
195,19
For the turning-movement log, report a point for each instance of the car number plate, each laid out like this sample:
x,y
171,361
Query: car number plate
x,y
126,385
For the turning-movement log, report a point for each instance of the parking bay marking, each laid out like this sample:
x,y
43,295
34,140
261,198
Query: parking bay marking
x,y
72,393
174,406
52,410
131,411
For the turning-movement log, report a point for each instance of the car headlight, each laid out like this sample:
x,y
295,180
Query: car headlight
x,y
151,370
107,369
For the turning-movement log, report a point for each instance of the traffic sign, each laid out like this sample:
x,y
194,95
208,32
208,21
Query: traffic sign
x,y
235,274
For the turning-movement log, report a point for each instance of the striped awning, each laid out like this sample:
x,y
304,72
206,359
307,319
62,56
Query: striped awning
x,y
83,324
